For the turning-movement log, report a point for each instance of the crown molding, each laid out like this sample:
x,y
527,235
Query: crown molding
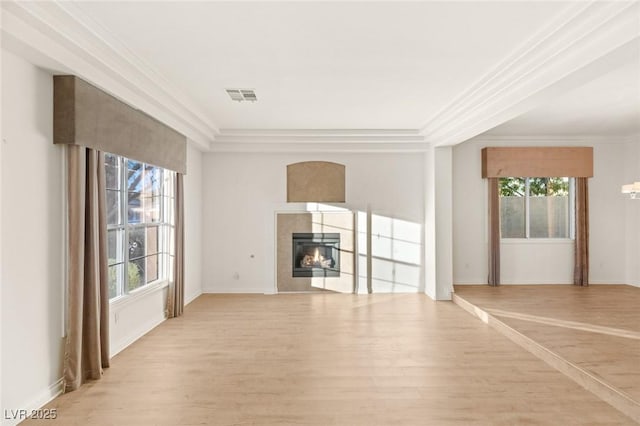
x,y
362,148
401,133
587,40
555,139
308,140
58,36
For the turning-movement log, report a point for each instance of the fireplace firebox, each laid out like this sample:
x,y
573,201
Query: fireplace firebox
x,y
316,255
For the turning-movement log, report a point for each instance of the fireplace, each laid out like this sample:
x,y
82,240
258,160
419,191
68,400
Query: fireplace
x,y
316,255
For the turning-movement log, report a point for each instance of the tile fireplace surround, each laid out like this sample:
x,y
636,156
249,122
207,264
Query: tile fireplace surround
x,y
315,222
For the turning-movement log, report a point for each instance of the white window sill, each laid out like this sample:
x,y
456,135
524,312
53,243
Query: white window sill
x,y
542,241
137,294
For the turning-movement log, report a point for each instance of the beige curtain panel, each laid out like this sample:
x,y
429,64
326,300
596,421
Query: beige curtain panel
x,y
87,341
494,232
581,263
175,297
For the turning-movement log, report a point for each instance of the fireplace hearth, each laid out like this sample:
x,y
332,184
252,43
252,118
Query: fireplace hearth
x,y
316,255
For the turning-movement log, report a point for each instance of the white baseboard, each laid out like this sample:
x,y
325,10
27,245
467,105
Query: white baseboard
x,y
43,398
192,297
558,283
234,290
512,283
118,347
534,282
504,282
552,283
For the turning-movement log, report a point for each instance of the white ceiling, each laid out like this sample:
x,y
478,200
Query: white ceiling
x,y
608,105
322,65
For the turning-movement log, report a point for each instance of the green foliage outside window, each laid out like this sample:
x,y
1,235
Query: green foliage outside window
x,y
535,207
547,186
134,278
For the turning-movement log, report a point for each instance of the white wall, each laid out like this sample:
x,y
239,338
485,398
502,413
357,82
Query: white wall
x,y
32,238
135,315
193,191
1,234
607,215
520,262
439,223
632,212
243,191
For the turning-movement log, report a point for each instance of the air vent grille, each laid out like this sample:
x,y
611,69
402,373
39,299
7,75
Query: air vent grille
x,y
241,95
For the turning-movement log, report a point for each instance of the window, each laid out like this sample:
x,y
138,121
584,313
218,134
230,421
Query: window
x,y
537,207
139,224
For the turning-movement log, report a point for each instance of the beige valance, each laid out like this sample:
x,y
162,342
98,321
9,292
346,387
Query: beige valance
x,y
87,116
537,162
316,181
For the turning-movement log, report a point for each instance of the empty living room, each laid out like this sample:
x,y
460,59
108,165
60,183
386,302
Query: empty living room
x,y
320,212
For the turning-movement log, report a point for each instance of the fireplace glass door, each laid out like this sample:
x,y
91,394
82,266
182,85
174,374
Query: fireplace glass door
x,y
316,254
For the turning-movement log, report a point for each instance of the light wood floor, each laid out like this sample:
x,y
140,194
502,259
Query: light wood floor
x,y
596,328
329,359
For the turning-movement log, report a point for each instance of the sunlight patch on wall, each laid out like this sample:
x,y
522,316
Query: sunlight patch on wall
x,y
396,255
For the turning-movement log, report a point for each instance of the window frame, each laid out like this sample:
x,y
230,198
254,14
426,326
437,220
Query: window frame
x,y
165,225
527,222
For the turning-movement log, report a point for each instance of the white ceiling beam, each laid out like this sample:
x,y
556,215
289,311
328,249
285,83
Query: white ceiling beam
x,y
590,39
52,35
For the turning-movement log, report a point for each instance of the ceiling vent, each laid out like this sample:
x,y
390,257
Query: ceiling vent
x,y
242,95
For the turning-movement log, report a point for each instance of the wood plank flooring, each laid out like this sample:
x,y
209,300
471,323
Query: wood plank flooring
x,y
329,359
595,328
